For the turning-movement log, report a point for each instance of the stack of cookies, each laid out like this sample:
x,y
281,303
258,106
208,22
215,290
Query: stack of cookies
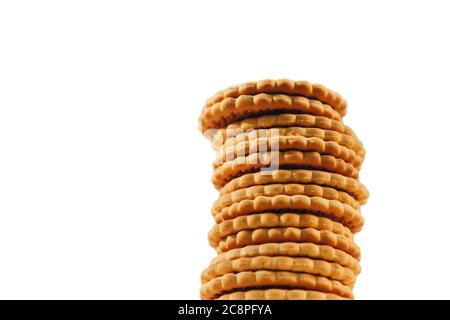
x,y
287,173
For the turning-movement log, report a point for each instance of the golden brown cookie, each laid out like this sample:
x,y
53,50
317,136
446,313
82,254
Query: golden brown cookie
x,y
284,86
295,159
232,137
275,220
230,110
284,120
292,249
287,143
323,268
290,189
333,180
290,234
336,210
280,294
263,278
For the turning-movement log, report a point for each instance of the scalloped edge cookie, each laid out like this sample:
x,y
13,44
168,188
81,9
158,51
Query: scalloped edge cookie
x,y
328,179
290,234
292,249
340,212
284,120
284,86
251,279
289,189
233,137
299,159
322,268
280,294
287,143
275,220
230,110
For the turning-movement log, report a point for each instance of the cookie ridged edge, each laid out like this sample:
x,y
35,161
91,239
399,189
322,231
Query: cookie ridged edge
x,y
289,189
284,86
341,212
230,110
322,268
333,180
233,137
275,220
289,234
292,249
280,294
250,279
246,164
287,143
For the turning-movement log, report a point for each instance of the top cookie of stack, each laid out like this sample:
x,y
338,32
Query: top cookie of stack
x,y
228,105
287,172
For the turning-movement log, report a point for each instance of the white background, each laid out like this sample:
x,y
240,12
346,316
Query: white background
x,y
105,185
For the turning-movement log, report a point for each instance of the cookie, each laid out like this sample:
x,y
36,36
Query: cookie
x,y
263,278
285,86
229,110
277,235
332,271
333,209
291,189
285,120
232,137
292,159
275,220
280,294
292,249
333,180
285,143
